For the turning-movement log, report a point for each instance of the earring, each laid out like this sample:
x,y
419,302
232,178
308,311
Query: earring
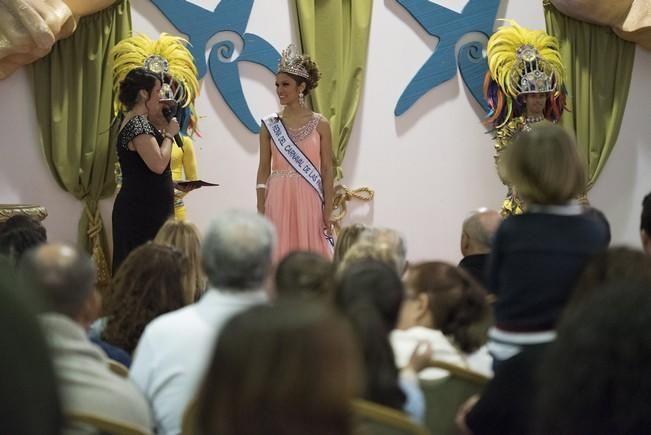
x,y
301,99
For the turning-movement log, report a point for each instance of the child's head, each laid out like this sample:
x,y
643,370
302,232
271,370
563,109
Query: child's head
x,y
544,165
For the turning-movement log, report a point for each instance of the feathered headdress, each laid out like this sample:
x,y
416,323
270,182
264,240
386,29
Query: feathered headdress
x,y
522,61
167,56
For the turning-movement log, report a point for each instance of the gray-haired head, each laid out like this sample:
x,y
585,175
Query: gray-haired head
x,y
237,249
62,277
478,231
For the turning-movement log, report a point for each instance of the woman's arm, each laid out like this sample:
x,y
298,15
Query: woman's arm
x,y
264,167
156,157
326,169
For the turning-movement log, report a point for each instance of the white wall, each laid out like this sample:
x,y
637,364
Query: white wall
x,y
429,167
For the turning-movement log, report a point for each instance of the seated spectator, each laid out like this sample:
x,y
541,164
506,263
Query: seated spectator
x,y
645,224
305,275
369,294
538,255
447,308
594,377
28,379
65,278
175,349
184,236
18,234
346,238
390,240
476,240
506,405
297,376
150,282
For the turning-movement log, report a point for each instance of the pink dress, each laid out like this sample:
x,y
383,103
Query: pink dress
x,y
292,204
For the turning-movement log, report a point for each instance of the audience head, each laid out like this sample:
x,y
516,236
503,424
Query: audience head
x,y
446,298
20,233
594,376
348,236
305,274
184,236
478,231
286,369
28,392
389,240
369,294
544,165
615,264
150,282
237,251
64,279
645,224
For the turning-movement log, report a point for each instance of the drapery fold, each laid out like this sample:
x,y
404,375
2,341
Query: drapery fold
x,y
74,100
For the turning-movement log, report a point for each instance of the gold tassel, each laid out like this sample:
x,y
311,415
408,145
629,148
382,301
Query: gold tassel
x,y
343,194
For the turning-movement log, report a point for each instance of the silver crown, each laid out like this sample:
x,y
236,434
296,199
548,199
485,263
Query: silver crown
x,y
291,62
531,73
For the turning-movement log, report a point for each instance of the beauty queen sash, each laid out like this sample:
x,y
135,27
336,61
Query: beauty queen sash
x,y
295,157
292,153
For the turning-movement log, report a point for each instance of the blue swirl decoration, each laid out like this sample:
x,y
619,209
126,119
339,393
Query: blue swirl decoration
x,y
449,26
200,25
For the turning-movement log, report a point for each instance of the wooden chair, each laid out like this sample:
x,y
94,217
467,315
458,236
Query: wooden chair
x,y
374,419
104,425
118,368
189,424
443,397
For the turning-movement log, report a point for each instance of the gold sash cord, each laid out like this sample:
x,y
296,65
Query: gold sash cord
x,y
343,194
94,233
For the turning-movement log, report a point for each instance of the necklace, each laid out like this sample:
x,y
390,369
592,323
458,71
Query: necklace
x,y
534,119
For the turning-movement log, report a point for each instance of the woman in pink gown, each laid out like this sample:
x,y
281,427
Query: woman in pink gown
x,y
301,217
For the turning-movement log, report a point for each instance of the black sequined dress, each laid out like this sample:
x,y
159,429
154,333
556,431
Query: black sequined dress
x,y
145,200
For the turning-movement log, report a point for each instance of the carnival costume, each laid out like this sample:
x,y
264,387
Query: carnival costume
x,y
520,61
170,55
294,201
146,199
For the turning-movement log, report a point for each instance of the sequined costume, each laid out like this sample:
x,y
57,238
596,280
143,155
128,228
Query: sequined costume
x,y
184,167
521,61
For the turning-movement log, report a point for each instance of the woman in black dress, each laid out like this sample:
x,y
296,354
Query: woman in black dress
x,y
146,198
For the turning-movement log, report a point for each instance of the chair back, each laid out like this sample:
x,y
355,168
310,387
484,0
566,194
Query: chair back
x,y
374,419
444,396
103,425
118,368
189,424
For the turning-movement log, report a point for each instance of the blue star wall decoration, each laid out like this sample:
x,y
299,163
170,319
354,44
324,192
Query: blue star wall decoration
x,y
449,27
200,25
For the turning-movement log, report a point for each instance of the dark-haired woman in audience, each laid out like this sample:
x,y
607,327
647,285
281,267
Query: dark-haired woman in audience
x,y
150,282
369,294
146,198
303,274
288,369
537,256
447,308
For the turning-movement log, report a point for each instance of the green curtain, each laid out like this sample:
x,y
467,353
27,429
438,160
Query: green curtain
x,y
74,100
598,65
335,33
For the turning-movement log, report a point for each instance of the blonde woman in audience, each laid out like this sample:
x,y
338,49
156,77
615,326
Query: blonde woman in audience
x,y
537,256
184,236
150,282
288,369
446,307
367,250
346,238
393,240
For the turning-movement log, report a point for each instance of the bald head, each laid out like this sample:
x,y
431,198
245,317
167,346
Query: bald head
x,y
478,231
62,276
